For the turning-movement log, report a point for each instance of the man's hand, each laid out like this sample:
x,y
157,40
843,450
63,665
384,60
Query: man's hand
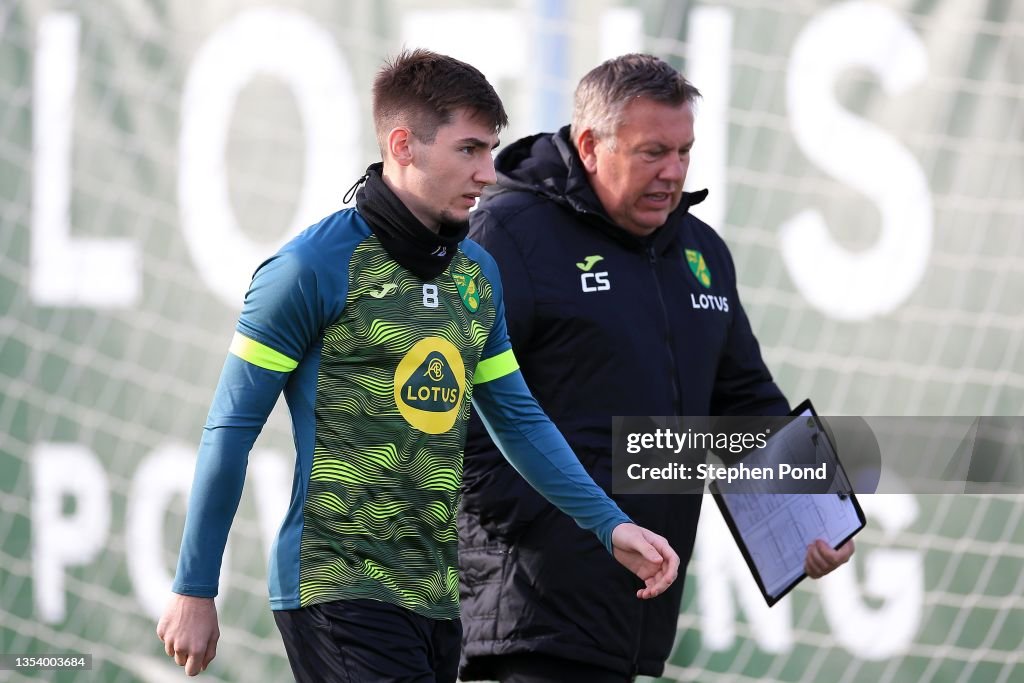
x,y
647,555
822,559
189,632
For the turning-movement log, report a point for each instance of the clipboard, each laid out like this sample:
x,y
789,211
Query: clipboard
x,y
773,524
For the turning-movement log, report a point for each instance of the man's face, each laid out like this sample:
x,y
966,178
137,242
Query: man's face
x,y
639,178
448,174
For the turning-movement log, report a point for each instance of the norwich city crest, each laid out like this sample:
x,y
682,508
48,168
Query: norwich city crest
x,y
429,384
699,268
467,290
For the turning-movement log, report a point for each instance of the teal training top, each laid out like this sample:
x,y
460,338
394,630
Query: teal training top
x,y
378,367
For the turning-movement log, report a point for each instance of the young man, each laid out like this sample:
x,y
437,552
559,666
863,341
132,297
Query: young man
x,y
602,265
379,324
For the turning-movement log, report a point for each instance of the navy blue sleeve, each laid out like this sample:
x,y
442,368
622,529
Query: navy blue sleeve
x,y
743,383
539,452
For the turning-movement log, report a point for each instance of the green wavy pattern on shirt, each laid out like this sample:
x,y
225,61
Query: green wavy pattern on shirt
x,y
380,511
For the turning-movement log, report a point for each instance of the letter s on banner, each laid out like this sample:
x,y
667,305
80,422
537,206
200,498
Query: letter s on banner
x,y
840,283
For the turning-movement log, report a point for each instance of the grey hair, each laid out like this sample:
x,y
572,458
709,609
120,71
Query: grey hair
x,y
602,95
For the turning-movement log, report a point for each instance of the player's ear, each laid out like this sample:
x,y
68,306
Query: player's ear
x,y
399,145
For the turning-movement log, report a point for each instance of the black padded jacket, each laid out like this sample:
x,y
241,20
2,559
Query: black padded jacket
x,y
603,323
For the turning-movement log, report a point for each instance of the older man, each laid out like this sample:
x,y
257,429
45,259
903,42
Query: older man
x,y
619,302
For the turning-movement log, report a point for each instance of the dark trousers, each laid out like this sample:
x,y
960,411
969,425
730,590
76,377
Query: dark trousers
x,y
535,668
366,641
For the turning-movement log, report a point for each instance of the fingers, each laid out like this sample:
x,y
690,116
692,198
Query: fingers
x,y
667,554
658,584
654,589
211,651
194,665
648,546
813,563
189,632
650,554
822,559
161,630
194,658
669,559
667,571
650,562
647,555
195,662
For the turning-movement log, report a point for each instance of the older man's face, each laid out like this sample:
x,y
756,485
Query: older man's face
x,y
639,178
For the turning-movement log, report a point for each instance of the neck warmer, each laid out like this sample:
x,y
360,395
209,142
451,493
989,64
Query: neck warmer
x,y
413,245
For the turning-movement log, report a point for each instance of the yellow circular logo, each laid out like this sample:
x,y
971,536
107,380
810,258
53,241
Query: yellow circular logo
x,y
429,383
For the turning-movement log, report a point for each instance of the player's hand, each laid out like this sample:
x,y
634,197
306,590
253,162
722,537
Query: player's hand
x,y
189,632
647,555
822,559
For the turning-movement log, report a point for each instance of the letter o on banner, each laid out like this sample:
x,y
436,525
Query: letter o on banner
x,y
290,46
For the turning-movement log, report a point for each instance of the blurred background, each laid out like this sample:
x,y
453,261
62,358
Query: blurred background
x,y
866,166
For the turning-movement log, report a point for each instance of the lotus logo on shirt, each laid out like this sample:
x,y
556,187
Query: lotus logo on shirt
x,y
429,384
436,368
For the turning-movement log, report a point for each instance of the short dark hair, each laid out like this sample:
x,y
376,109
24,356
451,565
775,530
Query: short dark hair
x,y
422,89
603,94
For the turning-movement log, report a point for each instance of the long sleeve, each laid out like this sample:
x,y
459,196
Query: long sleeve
x,y
279,320
243,400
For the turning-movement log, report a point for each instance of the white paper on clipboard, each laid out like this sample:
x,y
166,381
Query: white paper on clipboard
x,y
773,529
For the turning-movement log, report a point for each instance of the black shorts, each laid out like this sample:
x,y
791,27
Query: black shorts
x,y
367,641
